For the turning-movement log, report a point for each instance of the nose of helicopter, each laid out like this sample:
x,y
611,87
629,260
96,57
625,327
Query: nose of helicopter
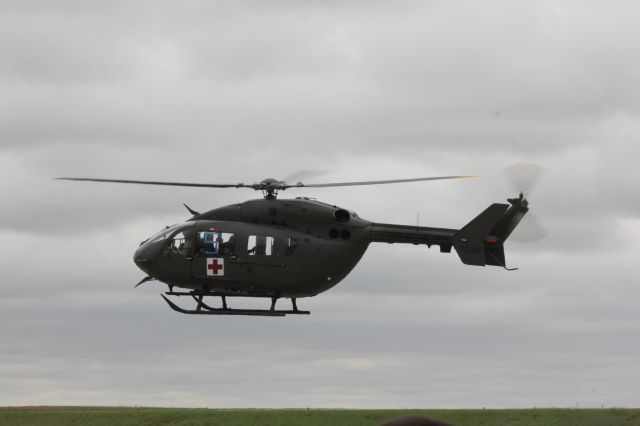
x,y
142,259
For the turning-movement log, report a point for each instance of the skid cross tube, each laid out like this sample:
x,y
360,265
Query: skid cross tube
x,y
203,309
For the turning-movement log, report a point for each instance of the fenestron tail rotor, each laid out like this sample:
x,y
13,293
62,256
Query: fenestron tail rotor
x,y
524,177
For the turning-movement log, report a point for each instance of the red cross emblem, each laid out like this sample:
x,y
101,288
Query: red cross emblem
x,y
215,267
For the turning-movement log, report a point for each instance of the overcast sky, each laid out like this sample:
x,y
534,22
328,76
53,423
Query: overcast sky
x,y
240,91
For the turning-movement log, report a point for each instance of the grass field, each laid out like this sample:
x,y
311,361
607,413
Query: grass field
x,y
53,416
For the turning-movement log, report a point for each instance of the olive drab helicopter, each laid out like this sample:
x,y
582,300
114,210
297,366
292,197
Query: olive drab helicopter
x,y
292,248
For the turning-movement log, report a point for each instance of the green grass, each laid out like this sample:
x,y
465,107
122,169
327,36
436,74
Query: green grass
x,y
54,416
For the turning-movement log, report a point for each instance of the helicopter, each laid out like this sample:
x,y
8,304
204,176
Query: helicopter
x,y
276,248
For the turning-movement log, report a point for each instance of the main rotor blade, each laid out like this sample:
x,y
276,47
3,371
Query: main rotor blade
x,y
150,182
377,182
259,186
301,175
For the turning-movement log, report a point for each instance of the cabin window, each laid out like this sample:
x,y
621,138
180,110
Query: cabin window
x,y
215,242
290,246
260,245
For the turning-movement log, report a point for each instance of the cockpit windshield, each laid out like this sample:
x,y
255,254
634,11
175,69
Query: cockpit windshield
x,y
163,234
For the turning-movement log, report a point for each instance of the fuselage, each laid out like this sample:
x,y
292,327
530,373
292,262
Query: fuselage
x,y
269,247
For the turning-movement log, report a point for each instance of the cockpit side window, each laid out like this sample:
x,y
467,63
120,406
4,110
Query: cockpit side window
x,y
181,245
215,242
178,241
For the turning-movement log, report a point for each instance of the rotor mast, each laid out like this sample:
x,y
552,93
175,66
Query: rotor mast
x,y
270,188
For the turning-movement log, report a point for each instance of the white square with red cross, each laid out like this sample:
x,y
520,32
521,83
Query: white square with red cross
x,y
215,267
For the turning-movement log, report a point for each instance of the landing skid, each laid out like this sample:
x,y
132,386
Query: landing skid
x,y
204,309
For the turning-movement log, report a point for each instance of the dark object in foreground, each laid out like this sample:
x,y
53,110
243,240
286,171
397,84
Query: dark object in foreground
x,y
414,421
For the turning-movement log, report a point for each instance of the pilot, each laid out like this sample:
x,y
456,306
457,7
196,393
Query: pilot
x,y
186,247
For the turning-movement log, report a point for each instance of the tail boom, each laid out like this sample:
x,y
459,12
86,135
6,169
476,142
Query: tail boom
x,y
480,242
